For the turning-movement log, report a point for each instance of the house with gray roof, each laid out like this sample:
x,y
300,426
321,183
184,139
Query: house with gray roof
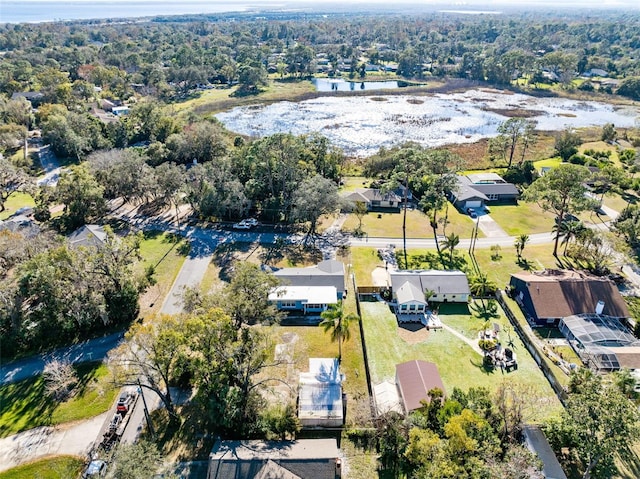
x,y
301,459
325,273
88,236
376,200
309,290
475,190
409,288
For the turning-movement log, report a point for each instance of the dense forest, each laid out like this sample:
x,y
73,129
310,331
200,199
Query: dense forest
x,y
167,57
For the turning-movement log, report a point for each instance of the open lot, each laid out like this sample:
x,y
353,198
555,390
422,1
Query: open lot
x,y
25,405
523,218
166,253
459,365
389,225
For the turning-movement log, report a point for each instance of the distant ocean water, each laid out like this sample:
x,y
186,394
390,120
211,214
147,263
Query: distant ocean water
x,y
47,11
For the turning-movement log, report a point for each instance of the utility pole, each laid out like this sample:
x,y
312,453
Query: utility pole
x,y
146,410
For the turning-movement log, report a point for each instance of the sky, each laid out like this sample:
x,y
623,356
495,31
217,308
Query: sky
x,y
451,3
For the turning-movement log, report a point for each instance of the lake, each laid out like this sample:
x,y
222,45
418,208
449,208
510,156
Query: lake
x,y
52,10
360,125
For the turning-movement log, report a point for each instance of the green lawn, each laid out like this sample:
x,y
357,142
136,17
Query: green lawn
x,y
24,405
58,467
14,202
389,225
363,262
459,365
166,252
549,162
498,269
523,218
352,183
313,342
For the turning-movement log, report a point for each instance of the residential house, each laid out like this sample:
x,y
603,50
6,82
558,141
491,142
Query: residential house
x,y
320,398
548,296
35,97
376,200
301,459
89,236
305,299
414,380
22,224
475,190
409,288
310,290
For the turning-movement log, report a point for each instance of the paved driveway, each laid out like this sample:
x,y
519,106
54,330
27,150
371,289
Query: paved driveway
x,y
490,228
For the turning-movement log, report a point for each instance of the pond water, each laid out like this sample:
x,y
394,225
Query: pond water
x,y
326,84
360,125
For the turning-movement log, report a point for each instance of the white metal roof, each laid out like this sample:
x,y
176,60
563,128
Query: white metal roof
x,y
306,294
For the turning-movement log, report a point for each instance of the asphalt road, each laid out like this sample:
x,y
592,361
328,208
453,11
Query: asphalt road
x,y
90,350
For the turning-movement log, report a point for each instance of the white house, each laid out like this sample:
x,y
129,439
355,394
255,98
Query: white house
x,y
409,287
307,299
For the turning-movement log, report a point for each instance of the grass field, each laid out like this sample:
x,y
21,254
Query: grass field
x,y
25,405
523,218
459,365
389,225
56,467
14,202
166,253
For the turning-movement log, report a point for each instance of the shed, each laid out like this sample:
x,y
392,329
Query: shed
x,y
320,402
414,380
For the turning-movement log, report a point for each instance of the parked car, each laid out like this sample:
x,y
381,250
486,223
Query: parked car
x,y
125,401
96,468
472,213
246,224
242,225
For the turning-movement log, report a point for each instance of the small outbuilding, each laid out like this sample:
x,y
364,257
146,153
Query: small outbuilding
x,y
414,380
320,399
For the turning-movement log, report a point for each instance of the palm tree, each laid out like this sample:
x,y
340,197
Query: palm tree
x,y
568,230
450,242
520,243
481,285
335,322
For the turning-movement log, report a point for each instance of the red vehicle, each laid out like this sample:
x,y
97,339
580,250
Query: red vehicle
x,y
125,401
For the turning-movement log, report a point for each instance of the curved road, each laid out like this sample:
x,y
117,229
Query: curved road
x,y
90,350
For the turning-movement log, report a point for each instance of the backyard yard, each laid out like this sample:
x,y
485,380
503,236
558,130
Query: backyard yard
x,y
459,365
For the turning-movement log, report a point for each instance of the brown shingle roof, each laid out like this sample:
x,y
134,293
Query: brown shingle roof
x,y
414,380
561,295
